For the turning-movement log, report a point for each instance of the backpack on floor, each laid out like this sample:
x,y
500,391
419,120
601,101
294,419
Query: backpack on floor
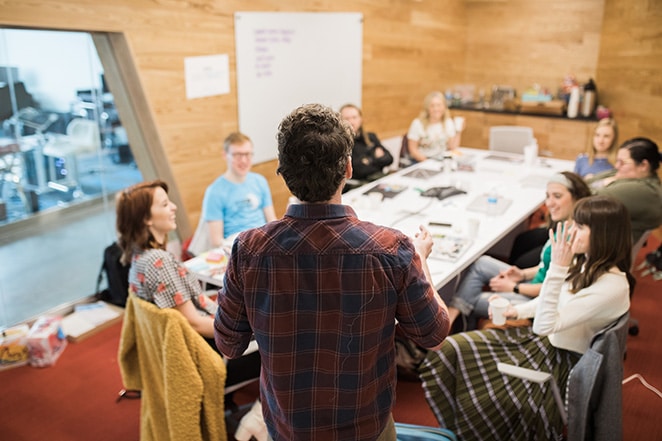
x,y
117,276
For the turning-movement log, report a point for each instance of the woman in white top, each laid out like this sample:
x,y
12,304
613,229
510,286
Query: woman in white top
x,y
434,131
586,288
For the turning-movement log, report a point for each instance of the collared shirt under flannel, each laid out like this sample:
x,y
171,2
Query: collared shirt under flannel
x,y
322,291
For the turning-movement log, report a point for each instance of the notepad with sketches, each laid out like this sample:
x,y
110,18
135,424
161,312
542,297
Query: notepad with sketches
x,y
388,190
449,248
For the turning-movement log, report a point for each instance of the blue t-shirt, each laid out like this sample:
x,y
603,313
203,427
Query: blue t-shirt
x,y
583,168
239,205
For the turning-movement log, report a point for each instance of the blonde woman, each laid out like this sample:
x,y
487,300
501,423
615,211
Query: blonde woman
x,y
602,155
434,131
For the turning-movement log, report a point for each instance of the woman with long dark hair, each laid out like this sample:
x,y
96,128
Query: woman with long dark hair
x,y
586,288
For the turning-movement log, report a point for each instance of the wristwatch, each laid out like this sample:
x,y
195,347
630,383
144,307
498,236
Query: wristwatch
x,y
516,288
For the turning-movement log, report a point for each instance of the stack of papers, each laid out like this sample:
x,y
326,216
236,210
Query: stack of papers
x,y
449,248
88,317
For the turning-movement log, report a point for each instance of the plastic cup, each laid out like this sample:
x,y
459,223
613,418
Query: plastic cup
x,y
375,200
530,154
473,225
498,307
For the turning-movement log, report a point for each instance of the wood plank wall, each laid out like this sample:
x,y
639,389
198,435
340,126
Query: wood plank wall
x,y
630,66
410,48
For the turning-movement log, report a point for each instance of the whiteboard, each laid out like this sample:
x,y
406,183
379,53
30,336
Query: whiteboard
x,y
286,59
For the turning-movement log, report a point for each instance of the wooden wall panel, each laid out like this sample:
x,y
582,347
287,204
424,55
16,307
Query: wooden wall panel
x,y
407,46
630,67
410,48
522,42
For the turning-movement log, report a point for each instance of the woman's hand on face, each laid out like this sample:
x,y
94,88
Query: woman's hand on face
x,y
423,242
562,243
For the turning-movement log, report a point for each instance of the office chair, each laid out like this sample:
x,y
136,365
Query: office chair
x,y
592,408
510,139
12,169
404,158
82,137
633,325
179,375
394,146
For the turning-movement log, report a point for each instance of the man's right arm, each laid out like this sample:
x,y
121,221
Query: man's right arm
x,y
423,245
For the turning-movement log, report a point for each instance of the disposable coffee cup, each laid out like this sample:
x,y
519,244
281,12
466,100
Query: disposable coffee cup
x,y
473,225
498,307
375,200
530,154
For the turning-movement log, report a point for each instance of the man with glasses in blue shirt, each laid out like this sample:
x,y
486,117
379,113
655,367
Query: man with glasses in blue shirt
x,y
238,199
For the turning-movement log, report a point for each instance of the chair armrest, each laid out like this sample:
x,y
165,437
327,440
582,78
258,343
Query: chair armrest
x,y
536,377
523,373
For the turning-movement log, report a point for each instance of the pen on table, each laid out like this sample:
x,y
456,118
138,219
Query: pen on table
x,y
440,224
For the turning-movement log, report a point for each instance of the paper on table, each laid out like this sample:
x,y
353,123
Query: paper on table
x,y
95,313
87,317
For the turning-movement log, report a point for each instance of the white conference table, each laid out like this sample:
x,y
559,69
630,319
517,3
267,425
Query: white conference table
x,y
494,173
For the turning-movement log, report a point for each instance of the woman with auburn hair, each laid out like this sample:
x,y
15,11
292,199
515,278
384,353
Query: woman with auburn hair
x,y
145,217
586,289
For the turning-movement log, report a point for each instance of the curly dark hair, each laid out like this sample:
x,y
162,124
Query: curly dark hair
x,y
314,147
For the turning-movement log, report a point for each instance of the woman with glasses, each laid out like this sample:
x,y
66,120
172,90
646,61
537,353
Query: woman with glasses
x,y
635,183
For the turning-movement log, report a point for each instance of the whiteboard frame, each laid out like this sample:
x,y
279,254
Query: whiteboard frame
x,y
287,59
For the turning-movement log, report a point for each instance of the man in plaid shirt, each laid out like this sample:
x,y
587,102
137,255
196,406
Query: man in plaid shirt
x,y
321,291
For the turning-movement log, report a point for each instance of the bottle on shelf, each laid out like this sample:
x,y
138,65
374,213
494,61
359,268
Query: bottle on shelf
x,y
573,103
590,97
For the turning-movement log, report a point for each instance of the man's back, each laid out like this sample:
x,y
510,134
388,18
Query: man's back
x,y
322,291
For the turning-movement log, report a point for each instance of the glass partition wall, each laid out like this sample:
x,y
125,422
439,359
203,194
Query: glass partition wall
x,y
63,155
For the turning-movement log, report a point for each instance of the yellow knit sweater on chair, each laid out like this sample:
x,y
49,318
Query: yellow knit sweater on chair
x,y
181,378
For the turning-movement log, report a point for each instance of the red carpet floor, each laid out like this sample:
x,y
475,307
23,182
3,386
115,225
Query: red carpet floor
x,y
75,399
